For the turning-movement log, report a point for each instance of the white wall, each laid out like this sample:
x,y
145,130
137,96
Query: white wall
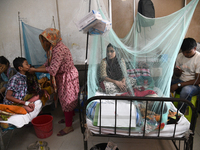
x,y
38,13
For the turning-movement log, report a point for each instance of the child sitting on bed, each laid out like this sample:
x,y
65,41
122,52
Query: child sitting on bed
x,y
17,86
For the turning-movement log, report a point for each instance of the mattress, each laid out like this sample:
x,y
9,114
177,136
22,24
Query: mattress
x,y
182,127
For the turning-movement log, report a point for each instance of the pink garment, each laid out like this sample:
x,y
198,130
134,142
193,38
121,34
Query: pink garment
x,y
139,93
66,74
68,118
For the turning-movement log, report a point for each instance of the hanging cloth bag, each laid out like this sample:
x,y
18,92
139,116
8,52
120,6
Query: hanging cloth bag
x,y
146,8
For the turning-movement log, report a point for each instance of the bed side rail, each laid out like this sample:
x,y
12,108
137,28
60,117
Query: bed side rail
x,y
81,104
147,99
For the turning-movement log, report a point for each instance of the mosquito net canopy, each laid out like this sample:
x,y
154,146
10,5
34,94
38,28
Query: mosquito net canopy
x,y
141,64
143,60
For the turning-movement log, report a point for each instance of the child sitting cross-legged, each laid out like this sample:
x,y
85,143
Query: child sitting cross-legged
x,y
17,86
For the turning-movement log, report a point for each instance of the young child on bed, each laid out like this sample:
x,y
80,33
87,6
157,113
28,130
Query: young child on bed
x,y
17,86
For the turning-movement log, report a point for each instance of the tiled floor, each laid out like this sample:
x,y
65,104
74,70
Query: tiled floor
x,y
22,137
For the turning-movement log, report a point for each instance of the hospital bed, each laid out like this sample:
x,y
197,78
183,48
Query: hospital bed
x,y
180,133
19,121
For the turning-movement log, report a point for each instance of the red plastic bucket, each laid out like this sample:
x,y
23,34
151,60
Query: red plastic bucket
x,y
43,126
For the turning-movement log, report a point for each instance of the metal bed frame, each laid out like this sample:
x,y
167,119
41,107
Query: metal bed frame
x,y
11,128
188,141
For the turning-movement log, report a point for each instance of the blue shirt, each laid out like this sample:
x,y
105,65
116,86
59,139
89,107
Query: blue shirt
x,y
18,85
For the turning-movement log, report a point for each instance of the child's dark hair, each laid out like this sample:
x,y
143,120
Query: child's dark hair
x,y
17,62
4,60
188,44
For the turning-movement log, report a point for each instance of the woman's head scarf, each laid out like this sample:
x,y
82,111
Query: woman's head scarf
x,y
53,36
113,67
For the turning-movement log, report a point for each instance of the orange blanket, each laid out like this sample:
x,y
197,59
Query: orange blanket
x,y
12,109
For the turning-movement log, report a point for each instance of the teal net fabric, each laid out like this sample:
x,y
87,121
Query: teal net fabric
x,y
153,48
34,51
144,59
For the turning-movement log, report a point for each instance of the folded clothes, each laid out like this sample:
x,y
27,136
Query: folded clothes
x,y
13,109
20,120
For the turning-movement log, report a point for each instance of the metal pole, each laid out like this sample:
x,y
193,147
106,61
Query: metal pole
x,y
85,80
185,2
58,15
20,33
133,10
110,9
87,42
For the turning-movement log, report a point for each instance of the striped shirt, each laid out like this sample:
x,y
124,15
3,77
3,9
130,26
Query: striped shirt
x,y
18,85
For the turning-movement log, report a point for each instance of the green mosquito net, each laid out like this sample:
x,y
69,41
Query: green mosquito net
x,y
140,64
145,57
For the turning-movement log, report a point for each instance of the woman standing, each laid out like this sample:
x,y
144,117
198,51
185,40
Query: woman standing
x,y
64,75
